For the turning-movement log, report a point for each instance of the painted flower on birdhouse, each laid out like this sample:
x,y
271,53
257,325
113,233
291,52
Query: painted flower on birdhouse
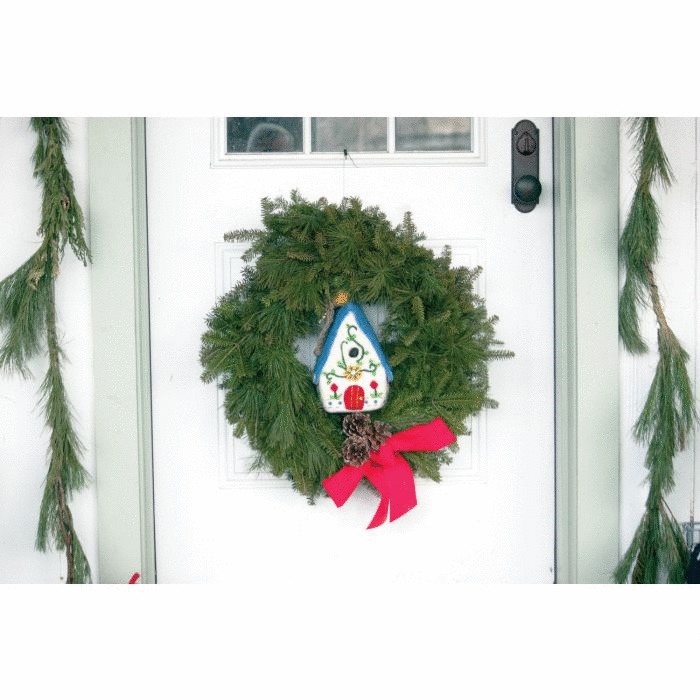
x,y
352,373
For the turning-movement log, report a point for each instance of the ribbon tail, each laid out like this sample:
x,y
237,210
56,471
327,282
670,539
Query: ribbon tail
x,y
405,497
393,478
380,516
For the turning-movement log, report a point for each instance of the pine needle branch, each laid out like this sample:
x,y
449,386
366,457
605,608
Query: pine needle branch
x,y
639,242
28,312
24,299
657,551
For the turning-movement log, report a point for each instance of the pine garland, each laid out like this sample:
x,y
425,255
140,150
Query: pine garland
x,y
657,551
28,319
437,334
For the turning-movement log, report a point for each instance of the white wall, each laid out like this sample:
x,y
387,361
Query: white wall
x,y
677,278
23,437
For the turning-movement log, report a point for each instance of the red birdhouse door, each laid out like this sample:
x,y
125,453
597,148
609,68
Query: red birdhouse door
x,y
354,398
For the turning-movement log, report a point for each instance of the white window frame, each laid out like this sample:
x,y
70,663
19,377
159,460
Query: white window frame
x,y
221,159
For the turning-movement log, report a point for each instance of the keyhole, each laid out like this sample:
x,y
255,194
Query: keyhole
x,y
353,352
526,144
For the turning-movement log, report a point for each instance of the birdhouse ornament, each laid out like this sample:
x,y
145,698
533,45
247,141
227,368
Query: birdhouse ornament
x,y
353,376
352,373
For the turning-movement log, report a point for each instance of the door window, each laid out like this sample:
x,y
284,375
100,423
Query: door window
x,y
264,135
296,141
451,134
354,134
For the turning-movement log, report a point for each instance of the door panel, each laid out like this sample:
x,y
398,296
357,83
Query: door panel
x,y
492,517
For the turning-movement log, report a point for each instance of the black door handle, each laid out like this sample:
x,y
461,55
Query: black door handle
x,y
527,190
525,185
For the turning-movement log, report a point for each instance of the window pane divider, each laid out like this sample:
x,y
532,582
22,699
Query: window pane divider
x,y
307,135
391,134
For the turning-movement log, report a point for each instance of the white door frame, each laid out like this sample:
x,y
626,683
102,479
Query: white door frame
x,y
586,221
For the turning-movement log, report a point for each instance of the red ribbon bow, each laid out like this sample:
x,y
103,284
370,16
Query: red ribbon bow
x,y
390,473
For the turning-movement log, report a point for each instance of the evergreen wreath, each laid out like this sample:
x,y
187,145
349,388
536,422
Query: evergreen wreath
x,y
437,335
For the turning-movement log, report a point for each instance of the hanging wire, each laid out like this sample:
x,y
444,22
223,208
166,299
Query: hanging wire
x,y
346,155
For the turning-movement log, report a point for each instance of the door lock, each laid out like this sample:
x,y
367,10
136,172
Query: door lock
x,y
525,185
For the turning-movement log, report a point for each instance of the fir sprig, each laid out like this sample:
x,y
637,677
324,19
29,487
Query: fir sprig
x,y
657,551
639,243
28,319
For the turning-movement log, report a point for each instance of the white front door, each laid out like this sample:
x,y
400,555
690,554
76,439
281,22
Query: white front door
x,y
491,519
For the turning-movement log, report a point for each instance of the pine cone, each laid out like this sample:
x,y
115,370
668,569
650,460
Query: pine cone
x,y
356,424
355,451
378,434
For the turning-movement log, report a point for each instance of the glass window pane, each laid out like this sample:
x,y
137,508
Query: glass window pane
x,y
433,134
264,135
356,134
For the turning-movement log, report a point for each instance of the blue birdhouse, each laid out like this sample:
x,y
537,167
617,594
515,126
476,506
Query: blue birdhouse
x,y
352,373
